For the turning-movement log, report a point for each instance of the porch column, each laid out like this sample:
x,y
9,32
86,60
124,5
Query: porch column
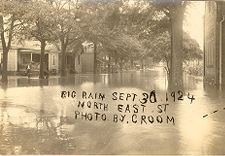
x,y
31,57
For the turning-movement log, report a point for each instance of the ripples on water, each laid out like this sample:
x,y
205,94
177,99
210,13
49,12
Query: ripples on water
x,y
34,120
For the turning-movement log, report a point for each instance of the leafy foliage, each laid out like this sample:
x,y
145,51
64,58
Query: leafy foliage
x,y
120,28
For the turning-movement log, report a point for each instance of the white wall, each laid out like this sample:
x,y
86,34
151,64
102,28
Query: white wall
x,y
12,60
53,61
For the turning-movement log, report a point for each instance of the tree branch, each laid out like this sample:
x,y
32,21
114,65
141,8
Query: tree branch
x,y
14,26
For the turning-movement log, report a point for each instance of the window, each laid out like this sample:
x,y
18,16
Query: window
x,y
26,58
36,58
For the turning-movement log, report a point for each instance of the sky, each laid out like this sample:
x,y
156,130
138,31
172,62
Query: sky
x,y
193,23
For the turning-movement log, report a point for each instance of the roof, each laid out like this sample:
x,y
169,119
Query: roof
x,y
33,46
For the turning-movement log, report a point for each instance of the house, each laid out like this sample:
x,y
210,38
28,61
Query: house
x,y
79,59
214,43
73,59
21,55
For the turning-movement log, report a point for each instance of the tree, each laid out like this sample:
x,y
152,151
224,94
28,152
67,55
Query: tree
x,y
160,48
176,17
105,27
191,48
38,24
174,10
66,18
10,14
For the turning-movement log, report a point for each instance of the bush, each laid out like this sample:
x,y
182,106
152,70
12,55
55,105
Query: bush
x,y
195,70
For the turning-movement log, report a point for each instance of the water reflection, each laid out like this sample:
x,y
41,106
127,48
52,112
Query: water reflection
x,y
194,129
35,120
155,78
29,131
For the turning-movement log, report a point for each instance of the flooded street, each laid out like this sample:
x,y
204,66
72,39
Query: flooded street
x,y
34,119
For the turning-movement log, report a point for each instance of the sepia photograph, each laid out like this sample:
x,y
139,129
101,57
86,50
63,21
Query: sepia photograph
x,y
112,77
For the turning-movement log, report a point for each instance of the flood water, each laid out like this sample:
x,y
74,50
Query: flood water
x,y
34,119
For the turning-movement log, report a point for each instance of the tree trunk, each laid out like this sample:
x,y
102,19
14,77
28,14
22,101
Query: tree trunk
x,y
176,72
42,59
167,68
6,46
132,63
109,65
63,59
116,63
95,58
121,65
142,64
5,64
115,57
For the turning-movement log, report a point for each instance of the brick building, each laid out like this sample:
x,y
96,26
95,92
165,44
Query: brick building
x,y
214,43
